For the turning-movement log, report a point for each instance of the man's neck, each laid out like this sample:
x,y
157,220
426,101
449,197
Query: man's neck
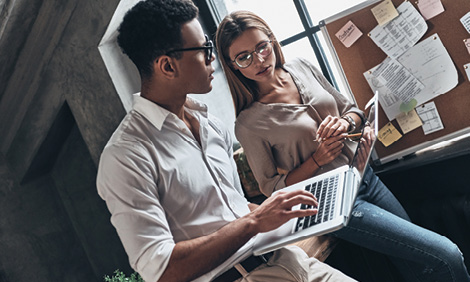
x,y
166,98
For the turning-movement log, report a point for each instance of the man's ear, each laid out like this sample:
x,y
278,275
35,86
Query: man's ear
x,y
165,66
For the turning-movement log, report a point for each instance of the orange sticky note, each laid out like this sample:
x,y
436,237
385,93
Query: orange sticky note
x,y
430,8
388,134
348,34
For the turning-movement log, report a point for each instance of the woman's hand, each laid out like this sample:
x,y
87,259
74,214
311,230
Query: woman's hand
x,y
368,135
332,126
329,149
365,147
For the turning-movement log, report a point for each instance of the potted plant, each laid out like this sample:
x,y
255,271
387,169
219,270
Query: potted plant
x,y
119,276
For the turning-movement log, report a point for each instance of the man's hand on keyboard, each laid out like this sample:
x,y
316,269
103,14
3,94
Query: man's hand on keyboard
x,y
277,209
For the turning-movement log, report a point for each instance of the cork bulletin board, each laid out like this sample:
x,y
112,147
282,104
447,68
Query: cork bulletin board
x,y
364,54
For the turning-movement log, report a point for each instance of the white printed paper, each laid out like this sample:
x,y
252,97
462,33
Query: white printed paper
x,y
400,34
430,117
430,63
465,20
398,80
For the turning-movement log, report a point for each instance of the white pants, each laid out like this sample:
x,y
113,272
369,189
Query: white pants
x,y
292,264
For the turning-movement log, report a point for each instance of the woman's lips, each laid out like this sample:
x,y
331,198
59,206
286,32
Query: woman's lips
x,y
263,71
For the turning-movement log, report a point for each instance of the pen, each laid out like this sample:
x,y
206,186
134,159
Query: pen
x,y
354,135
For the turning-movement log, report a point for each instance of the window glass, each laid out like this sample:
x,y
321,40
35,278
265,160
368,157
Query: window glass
x,y
281,16
300,48
320,10
336,71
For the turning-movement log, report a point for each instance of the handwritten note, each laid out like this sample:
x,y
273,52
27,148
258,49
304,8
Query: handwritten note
x,y
465,20
467,70
348,34
399,35
388,134
467,44
430,8
431,120
384,12
409,121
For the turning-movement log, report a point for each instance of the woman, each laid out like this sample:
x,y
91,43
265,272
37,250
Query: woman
x,y
292,125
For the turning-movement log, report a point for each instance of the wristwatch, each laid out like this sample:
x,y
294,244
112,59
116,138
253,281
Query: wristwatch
x,y
352,123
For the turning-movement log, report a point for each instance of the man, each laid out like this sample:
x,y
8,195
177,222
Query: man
x,y
167,173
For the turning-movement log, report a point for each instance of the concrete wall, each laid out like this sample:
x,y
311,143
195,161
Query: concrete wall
x,y
58,107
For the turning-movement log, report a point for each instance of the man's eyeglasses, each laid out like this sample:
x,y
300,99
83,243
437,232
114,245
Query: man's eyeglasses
x,y
208,48
244,60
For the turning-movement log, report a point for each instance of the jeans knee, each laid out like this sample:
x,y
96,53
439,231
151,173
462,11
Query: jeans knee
x,y
452,253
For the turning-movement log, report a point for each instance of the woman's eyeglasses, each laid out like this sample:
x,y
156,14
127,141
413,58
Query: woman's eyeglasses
x,y
244,60
208,48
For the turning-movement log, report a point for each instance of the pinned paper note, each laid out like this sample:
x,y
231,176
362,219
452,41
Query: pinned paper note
x,y
348,34
401,34
430,63
467,70
430,8
398,80
465,20
388,134
409,121
467,44
384,12
431,120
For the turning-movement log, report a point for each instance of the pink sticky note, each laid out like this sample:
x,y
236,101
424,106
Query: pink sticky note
x,y
348,34
430,8
467,44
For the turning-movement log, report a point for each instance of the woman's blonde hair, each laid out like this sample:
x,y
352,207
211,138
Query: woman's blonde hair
x,y
244,91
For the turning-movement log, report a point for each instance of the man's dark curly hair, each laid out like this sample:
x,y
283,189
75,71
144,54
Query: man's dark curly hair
x,y
152,28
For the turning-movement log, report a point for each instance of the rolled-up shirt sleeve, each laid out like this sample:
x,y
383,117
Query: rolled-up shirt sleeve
x,y
126,181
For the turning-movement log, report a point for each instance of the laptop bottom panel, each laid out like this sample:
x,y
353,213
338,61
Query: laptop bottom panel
x,y
270,241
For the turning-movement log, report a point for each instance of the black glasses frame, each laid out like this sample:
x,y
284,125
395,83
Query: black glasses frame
x,y
208,49
251,54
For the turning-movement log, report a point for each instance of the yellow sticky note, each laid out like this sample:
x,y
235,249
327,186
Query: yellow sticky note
x,y
384,12
388,134
409,121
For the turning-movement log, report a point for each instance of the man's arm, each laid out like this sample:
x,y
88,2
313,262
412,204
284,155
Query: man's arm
x,y
193,258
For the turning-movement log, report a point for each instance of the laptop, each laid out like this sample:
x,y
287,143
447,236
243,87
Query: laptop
x,y
335,190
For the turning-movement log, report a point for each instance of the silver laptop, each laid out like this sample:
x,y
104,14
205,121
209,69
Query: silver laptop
x,y
335,191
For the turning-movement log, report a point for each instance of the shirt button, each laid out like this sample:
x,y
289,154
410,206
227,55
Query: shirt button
x,y
219,179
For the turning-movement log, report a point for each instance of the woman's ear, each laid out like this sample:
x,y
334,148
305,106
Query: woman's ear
x,y
165,66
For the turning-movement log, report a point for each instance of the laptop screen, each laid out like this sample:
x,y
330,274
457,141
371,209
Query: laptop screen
x,y
368,136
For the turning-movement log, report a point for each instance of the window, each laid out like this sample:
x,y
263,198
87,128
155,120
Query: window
x,y
295,24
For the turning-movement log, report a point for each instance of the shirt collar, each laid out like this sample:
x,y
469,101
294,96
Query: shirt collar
x,y
157,114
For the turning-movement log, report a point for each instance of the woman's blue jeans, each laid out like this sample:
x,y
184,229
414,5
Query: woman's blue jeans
x,y
380,223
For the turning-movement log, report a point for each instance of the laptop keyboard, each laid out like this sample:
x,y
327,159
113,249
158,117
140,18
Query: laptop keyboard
x,y
325,192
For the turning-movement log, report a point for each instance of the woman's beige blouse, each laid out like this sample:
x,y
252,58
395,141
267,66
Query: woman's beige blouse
x,y
280,136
